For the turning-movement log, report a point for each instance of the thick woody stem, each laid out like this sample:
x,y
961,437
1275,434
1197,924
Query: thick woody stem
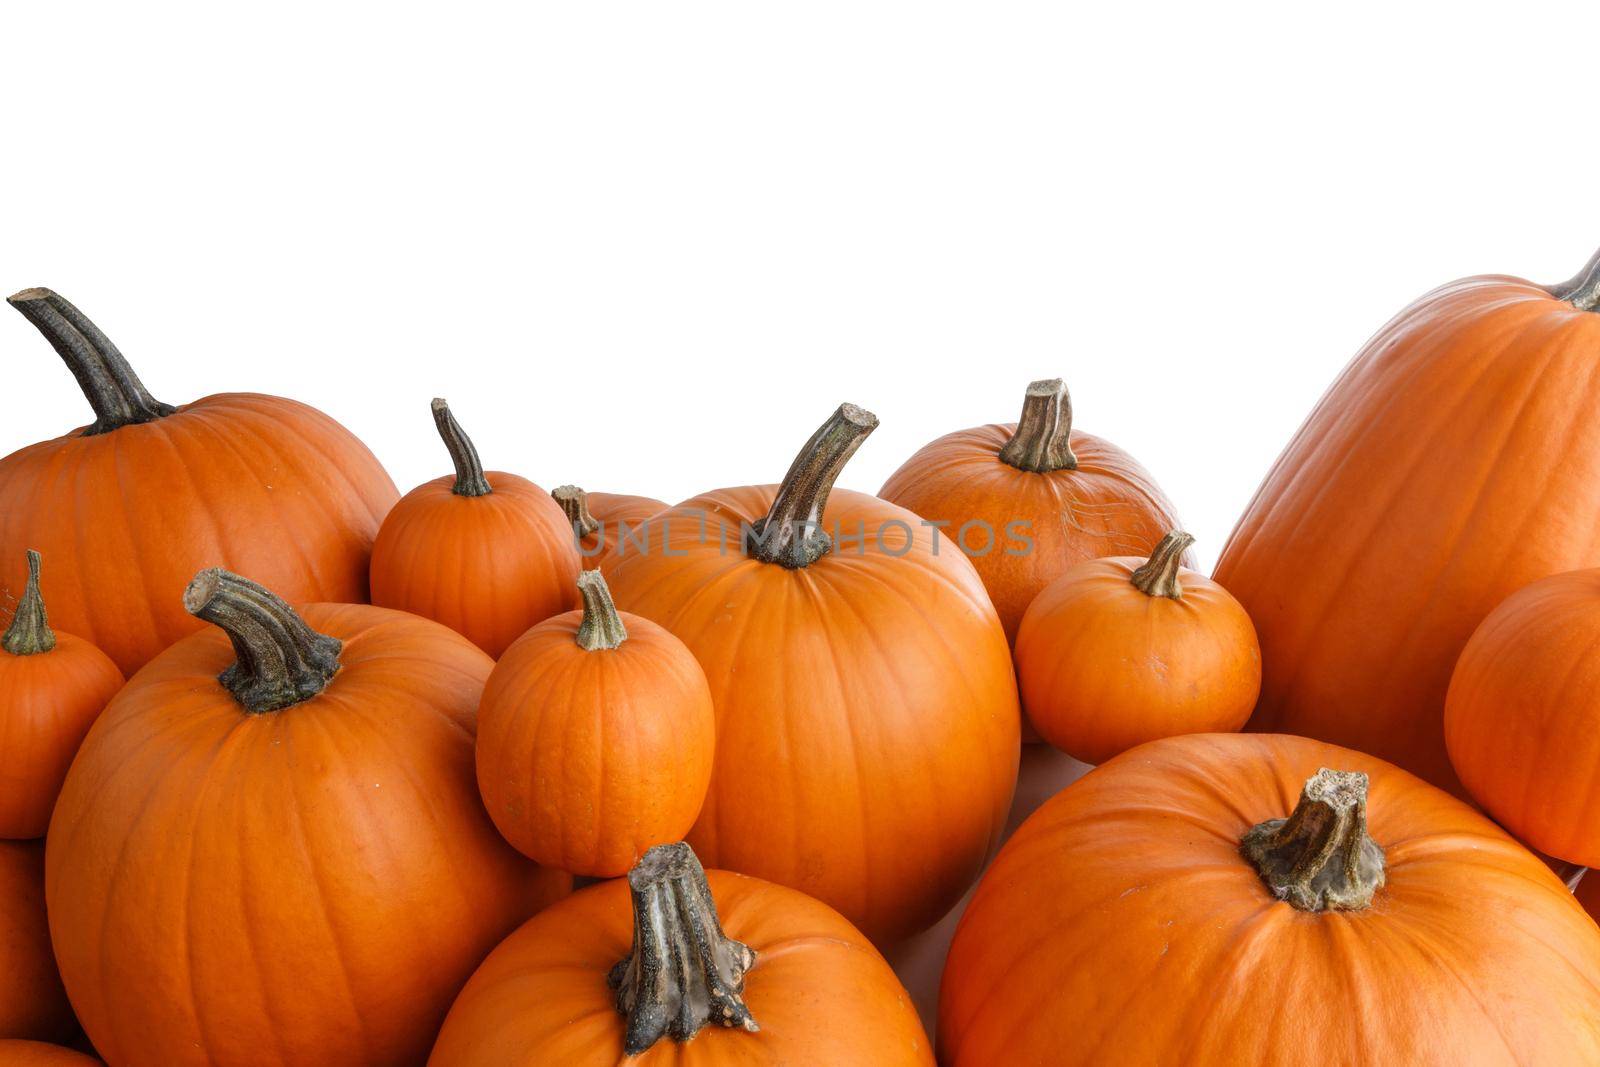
x,y
683,971
1582,291
29,632
791,534
601,627
1320,857
1158,575
1043,439
469,469
281,661
575,502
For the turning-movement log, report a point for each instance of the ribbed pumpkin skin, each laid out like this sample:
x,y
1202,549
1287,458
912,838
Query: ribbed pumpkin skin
x,y
47,701
302,887
1522,717
487,566
587,758
259,484
614,511
820,992
1121,925
867,720
32,1002
38,1054
1104,667
1454,461
1108,506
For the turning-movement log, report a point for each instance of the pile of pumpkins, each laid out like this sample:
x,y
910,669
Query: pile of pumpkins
x,y
297,771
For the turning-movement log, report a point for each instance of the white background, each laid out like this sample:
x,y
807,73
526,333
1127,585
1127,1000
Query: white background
x,y
648,247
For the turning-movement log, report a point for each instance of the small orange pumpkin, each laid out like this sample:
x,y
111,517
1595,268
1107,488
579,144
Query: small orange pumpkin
x,y
1120,651
32,1002
645,971
51,688
487,554
595,737
603,521
39,1054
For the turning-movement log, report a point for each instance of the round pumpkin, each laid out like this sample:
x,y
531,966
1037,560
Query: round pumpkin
x,y
1243,898
39,1054
867,722
604,521
51,688
595,736
32,1002
486,553
270,849
1123,650
1454,461
775,978
1030,499
127,508
1522,715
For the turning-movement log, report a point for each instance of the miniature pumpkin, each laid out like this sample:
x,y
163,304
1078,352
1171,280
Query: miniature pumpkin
x,y
595,736
1026,501
1180,904
867,724
32,1002
128,508
39,1054
487,554
1392,525
644,971
1120,651
271,848
603,521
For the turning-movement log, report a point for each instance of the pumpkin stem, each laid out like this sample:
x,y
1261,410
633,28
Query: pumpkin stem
x,y
1158,575
117,395
601,626
683,971
791,534
1583,291
282,661
575,502
29,632
1320,857
1043,439
469,468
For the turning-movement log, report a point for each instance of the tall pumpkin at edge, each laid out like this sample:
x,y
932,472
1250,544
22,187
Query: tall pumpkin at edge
x,y
132,505
1455,460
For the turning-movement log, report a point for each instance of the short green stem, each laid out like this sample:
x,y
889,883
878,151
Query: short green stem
x,y
281,661
29,633
1583,291
1320,858
602,626
575,502
470,480
1158,576
1043,439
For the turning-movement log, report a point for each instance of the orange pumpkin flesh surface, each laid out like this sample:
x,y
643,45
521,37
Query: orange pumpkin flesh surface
x,y
39,1054
770,976
32,1002
1383,922
595,736
1120,651
487,554
1072,496
1454,461
602,521
1522,716
274,853
129,508
51,688
867,723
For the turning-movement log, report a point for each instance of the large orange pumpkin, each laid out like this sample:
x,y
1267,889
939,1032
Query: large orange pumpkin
x,y
486,553
32,1002
51,688
1223,899
128,508
270,849
1027,500
39,1054
1123,650
647,972
603,521
1454,461
595,736
867,724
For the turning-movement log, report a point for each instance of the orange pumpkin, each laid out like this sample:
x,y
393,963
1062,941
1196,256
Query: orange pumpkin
x,y
1226,898
487,554
1030,499
32,1002
867,725
1122,650
776,978
595,736
270,847
128,508
1522,718
38,1054
602,521
1454,461
51,688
